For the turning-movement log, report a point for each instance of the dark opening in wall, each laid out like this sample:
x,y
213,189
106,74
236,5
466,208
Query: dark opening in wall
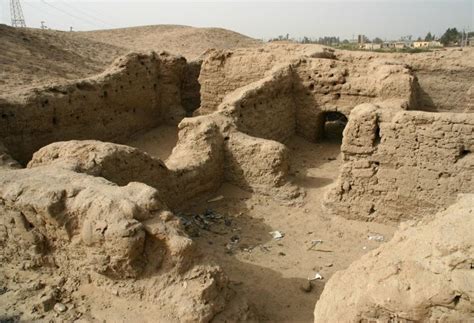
x,y
191,88
334,124
377,137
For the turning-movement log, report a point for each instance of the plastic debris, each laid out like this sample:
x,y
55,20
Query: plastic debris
x,y
215,199
277,235
203,221
317,276
376,237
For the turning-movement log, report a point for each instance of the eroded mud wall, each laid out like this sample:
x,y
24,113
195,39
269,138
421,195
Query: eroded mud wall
x,y
321,82
191,89
225,71
138,92
423,274
397,164
331,85
266,108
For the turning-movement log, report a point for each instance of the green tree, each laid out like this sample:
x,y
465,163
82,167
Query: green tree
x,y
377,40
451,36
429,37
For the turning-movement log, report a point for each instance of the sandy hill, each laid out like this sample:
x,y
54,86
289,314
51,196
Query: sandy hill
x,y
31,57
184,40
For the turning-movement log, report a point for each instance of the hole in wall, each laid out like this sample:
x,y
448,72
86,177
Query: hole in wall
x,y
377,136
456,299
333,124
464,153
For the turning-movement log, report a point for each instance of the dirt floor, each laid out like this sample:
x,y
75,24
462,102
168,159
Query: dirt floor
x,y
158,142
273,274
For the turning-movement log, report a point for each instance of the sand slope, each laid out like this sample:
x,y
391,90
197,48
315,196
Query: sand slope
x,y
184,40
31,57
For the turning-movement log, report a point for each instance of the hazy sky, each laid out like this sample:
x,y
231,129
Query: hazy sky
x,y
388,19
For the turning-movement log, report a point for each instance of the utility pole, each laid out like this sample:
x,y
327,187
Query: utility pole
x,y
16,14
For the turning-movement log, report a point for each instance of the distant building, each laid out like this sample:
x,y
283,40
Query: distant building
x,y
435,43
388,45
372,46
421,44
401,45
361,39
426,44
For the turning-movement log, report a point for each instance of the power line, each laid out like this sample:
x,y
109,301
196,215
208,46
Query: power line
x,y
85,13
70,14
39,9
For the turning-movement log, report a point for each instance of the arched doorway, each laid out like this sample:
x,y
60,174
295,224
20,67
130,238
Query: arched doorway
x,y
331,126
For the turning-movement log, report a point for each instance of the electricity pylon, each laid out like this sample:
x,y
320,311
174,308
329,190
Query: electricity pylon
x,y
16,13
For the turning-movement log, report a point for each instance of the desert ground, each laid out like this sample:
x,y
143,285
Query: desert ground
x,y
171,173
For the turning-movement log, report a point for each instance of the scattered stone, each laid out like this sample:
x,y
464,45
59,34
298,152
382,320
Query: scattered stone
x,y
235,239
306,286
47,302
37,285
281,254
60,308
277,235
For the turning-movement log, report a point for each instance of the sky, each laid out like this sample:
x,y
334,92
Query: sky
x,y
387,19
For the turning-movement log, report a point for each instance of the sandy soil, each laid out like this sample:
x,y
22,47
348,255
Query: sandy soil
x,y
271,273
33,57
188,41
158,142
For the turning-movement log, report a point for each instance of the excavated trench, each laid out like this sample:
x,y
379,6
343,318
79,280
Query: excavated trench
x,y
256,178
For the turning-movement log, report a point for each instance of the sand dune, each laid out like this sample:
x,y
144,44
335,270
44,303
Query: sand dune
x,y
31,57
